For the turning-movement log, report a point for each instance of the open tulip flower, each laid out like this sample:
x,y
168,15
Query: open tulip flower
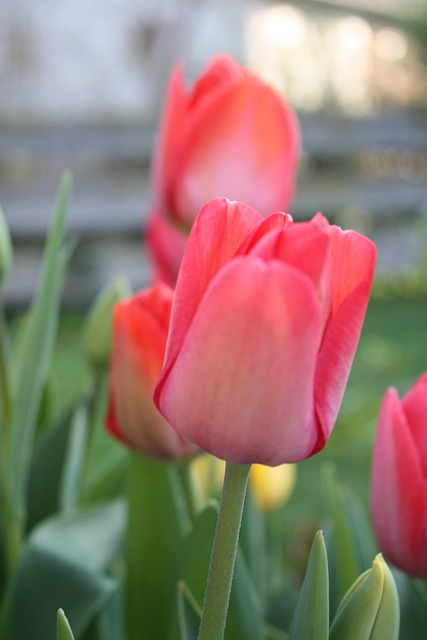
x,y
140,326
231,136
265,322
399,479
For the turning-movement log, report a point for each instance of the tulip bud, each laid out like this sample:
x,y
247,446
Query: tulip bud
x,y
140,327
399,479
230,135
97,333
370,608
5,247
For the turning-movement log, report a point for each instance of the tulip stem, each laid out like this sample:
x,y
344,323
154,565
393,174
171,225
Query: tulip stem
x,y
221,569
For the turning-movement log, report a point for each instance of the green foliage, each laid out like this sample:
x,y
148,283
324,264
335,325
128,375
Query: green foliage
x,y
311,617
33,359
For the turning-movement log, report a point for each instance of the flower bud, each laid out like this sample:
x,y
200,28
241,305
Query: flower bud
x,y
140,327
370,608
97,333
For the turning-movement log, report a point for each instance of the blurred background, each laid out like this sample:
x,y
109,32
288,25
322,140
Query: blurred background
x,y
82,84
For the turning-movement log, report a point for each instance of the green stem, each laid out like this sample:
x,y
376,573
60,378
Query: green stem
x,y
221,569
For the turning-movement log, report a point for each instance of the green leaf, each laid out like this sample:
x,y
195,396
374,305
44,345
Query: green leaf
x,y
154,548
46,471
35,355
343,552
6,251
189,613
107,461
311,617
65,566
252,542
244,618
73,466
63,629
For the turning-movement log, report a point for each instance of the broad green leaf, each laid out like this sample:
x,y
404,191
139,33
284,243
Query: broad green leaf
x,y
106,460
154,548
46,471
273,633
74,461
311,617
244,618
189,613
252,542
35,355
413,608
63,629
65,566
110,623
345,565
281,607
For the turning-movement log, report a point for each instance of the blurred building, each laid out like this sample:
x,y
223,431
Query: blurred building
x,y
81,86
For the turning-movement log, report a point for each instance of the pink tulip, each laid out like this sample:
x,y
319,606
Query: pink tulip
x,y
232,136
399,479
140,327
265,322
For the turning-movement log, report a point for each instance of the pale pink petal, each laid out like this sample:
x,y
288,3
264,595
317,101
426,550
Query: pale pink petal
x,y
414,405
219,230
306,247
222,70
274,221
175,109
242,383
242,144
140,328
399,491
353,263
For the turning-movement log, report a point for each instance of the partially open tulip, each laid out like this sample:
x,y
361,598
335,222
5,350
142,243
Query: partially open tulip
x,y
265,322
399,479
232,135
140,326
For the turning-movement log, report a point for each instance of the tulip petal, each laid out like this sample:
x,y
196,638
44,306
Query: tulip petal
x,y
221,70
353,263
175,108
399,491
219,230
415,408
140,330
242,384
241,143
304,246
